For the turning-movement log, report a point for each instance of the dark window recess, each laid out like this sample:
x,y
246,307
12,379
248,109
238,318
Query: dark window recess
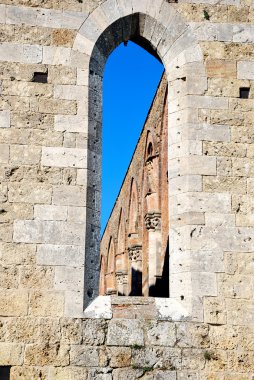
x,y
5,372
40,77
244,92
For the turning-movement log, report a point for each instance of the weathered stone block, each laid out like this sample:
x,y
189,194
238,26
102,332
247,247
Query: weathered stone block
x,y
125,333
47,354
69,278
33,277
11,354
46,304
50,212
85,356
5,119
27,193
68,255
160,334
13,302
215,310
69,196
64,157
221,68
24,155
245,70
67,373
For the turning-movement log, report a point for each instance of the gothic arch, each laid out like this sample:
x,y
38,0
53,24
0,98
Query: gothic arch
x,y
160,29
133,209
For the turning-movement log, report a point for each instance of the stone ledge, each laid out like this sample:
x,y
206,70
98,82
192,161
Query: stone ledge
x,y
107,307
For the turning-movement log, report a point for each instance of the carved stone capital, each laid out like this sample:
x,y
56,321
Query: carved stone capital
x,y
135,253
121,278
153,221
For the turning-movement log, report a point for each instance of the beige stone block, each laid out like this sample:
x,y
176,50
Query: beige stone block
x,y
71,331
225,184
193,359
49,232
47,354
20,88
119,356
50,212
9,277
215,310
225,87
242,167
224,166
219,219
240,311
69,196
28,373
62,75
243,204
68,373
245,69
250,186
192,335
25,155
71,279
46,304
245,220
77,214
20,254
243,134
64,157
63,37
4,153
29,193
241,362
235,286
36,277
3,192
231,149
53,55
242,105
71,256
6,232
5,119
11,354
57,106
13,302
22,330
221,68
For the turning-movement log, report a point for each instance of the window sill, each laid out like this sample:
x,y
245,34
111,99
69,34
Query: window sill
x,y
108,307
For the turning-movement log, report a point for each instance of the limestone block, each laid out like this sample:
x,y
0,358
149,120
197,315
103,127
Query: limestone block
x,y
21,53
235,286
245,70
213,31
198,165
33,277
44,303
13,302
242,167
214,310
3,193
119,356
82,77
50,212
5,120
71,331
2,14
27,373
239,311
221,68
125,333
74,304
185,148
69,278
230,149
245,220
126,374
93,332
111,10
32,54
71,123
69,196
64,157
242,135
8,277
184,184
76,214
60,255
225,184
47,354
67,373
4,153
71,92
157,357
243,33
25,155
11,354
219,219
27,89
62,75
72,20
57,106
200,202
84,46
19,254
22,330
84,356
160,334
225,87
192,335
49,232
56,55
30,193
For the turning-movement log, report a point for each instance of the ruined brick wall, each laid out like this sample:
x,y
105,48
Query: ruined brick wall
x,y
50,142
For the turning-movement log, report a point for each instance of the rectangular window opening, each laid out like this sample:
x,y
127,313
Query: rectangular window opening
x,y
244,92
5,372
40,77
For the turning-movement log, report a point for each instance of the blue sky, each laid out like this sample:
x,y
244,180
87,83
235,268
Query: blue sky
x,y
130,81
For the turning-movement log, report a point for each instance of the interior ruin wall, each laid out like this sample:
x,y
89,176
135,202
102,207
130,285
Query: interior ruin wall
x,y
52,57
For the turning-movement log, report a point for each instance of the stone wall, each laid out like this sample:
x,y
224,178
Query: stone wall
x,y
50,135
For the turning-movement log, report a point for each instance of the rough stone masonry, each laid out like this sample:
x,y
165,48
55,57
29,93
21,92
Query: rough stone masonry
x,y
53,324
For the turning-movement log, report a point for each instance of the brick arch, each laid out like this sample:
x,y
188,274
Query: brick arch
x,y
133,209
160,29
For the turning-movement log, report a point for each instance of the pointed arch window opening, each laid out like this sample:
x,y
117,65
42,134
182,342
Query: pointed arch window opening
x,y
134,279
